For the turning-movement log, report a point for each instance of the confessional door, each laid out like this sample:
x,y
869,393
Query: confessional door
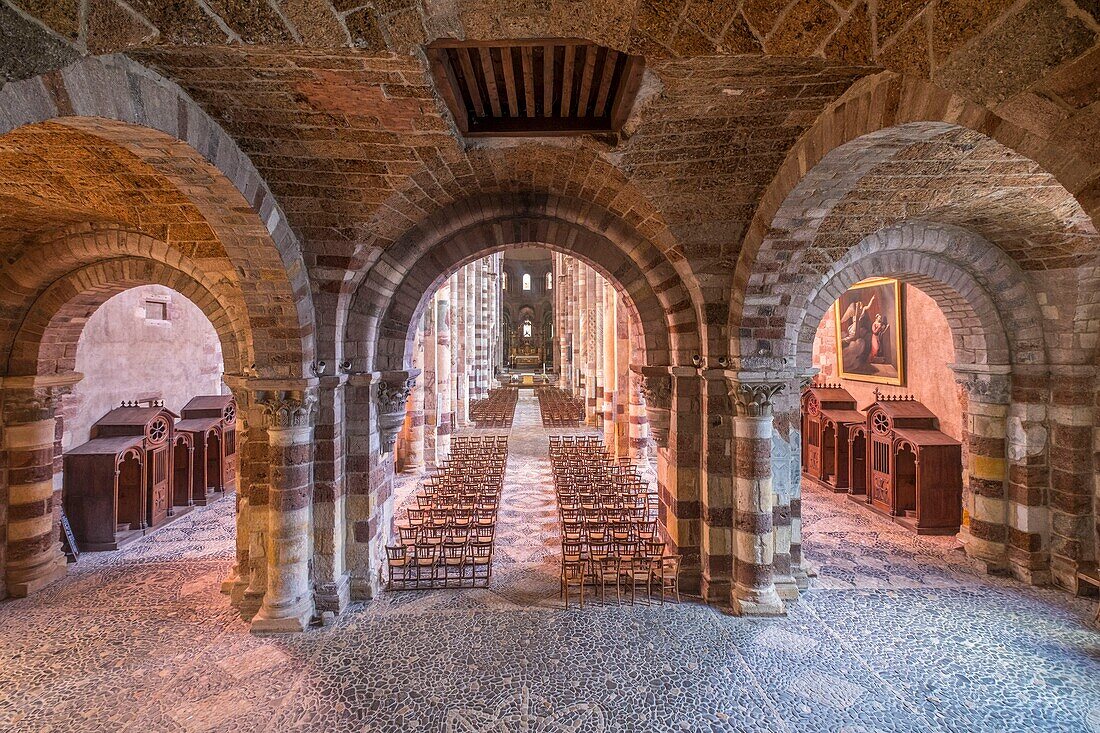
x,y
214,477
159,460
881,474
229,462
181,468
813,448
857,456
130,510
828,453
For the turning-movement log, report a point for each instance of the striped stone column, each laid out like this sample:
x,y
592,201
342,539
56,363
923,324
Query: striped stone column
x,y
1072,473
754,592
288,602
985,393
444,371
462,340
414,448
716,488
429,380
33,557
593,330
624,414
609,367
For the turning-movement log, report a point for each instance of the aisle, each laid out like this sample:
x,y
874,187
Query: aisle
x,y
528,550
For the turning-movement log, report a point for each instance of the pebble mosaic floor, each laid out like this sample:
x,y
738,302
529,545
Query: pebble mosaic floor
x,y
899,634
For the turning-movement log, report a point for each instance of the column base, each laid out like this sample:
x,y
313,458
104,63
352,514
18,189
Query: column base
x,y
247,602
801,578
334,596
756,603
43,576
715,591
289,621
992,555
787,587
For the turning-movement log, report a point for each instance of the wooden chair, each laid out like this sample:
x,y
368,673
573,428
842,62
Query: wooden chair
x,y
425,558
397,558
453,562
667,573
607,572
639,572
572,576
480,557
407,535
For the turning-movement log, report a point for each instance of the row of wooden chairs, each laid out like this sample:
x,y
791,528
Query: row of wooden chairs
x,y
497,410
446,539
608,521
559,408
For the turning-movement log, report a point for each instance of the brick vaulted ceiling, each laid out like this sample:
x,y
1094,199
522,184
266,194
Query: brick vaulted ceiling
x,y
336,105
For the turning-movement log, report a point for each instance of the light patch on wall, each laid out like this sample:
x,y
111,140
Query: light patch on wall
x,y
156,310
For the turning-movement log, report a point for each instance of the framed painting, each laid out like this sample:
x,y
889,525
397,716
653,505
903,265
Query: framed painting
x,y
870,332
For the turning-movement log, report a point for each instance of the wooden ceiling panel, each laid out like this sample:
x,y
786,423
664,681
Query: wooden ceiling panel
x,y
535,87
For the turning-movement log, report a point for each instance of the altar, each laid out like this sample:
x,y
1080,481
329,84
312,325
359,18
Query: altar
x,y
525,356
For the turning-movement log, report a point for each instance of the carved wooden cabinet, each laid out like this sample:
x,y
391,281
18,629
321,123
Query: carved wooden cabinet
x,y
211,421
914,470
828,414
118,484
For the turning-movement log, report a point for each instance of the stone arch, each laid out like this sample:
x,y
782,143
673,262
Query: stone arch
x,y
958,269
45,343
879,118
92,264
389,300
124,104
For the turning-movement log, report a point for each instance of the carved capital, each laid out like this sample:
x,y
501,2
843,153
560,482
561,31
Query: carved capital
x,y
991,385
754,399
287,409
393,393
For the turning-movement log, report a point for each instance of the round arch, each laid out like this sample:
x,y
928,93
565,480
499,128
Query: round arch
x,y
390,299
123,104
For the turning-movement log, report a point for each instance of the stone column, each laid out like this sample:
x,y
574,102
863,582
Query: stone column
x,y
331,581
624,400
431,395
1072,475
593,326
984,534
444,372
786,460
414,444
484,376
716,489
754,592
462,338
288,603
610,368
32,554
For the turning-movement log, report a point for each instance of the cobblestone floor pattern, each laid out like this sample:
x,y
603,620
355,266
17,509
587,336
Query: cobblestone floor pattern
x,y
899,634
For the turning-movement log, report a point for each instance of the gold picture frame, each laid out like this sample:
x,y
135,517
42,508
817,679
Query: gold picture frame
x,y
870,332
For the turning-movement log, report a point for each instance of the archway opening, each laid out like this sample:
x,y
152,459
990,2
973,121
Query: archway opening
x,y
148,392
525,345
885,451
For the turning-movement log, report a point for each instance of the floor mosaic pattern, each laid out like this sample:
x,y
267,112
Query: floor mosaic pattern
x,y
899,634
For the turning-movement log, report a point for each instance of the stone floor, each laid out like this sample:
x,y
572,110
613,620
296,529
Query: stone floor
x,y
899,634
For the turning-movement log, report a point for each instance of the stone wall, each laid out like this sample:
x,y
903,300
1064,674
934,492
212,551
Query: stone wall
x,y
125,354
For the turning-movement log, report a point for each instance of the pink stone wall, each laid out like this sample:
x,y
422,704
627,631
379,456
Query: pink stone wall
x,y
929,351
126,356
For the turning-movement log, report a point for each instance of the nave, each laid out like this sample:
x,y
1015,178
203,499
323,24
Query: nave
x,y
896,634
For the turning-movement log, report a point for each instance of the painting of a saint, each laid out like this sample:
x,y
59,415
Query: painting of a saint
x,y
870,333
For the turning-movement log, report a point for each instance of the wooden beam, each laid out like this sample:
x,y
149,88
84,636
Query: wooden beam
x,y
471,80
608,73
525,54
489,72
548,80
448,87
586,80
627,91
567,82
506,63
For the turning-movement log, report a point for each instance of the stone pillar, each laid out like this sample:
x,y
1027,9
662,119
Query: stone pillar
x,y
444,372
331,581
716,487
754,592
414,444
610,367
288,603
984,533
624,400
592,326
32,554
430,381
786,461
484,376
462,339
1072,524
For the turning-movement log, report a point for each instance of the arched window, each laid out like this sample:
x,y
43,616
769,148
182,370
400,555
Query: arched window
x,y
526,281
526,324
504,280
549,281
